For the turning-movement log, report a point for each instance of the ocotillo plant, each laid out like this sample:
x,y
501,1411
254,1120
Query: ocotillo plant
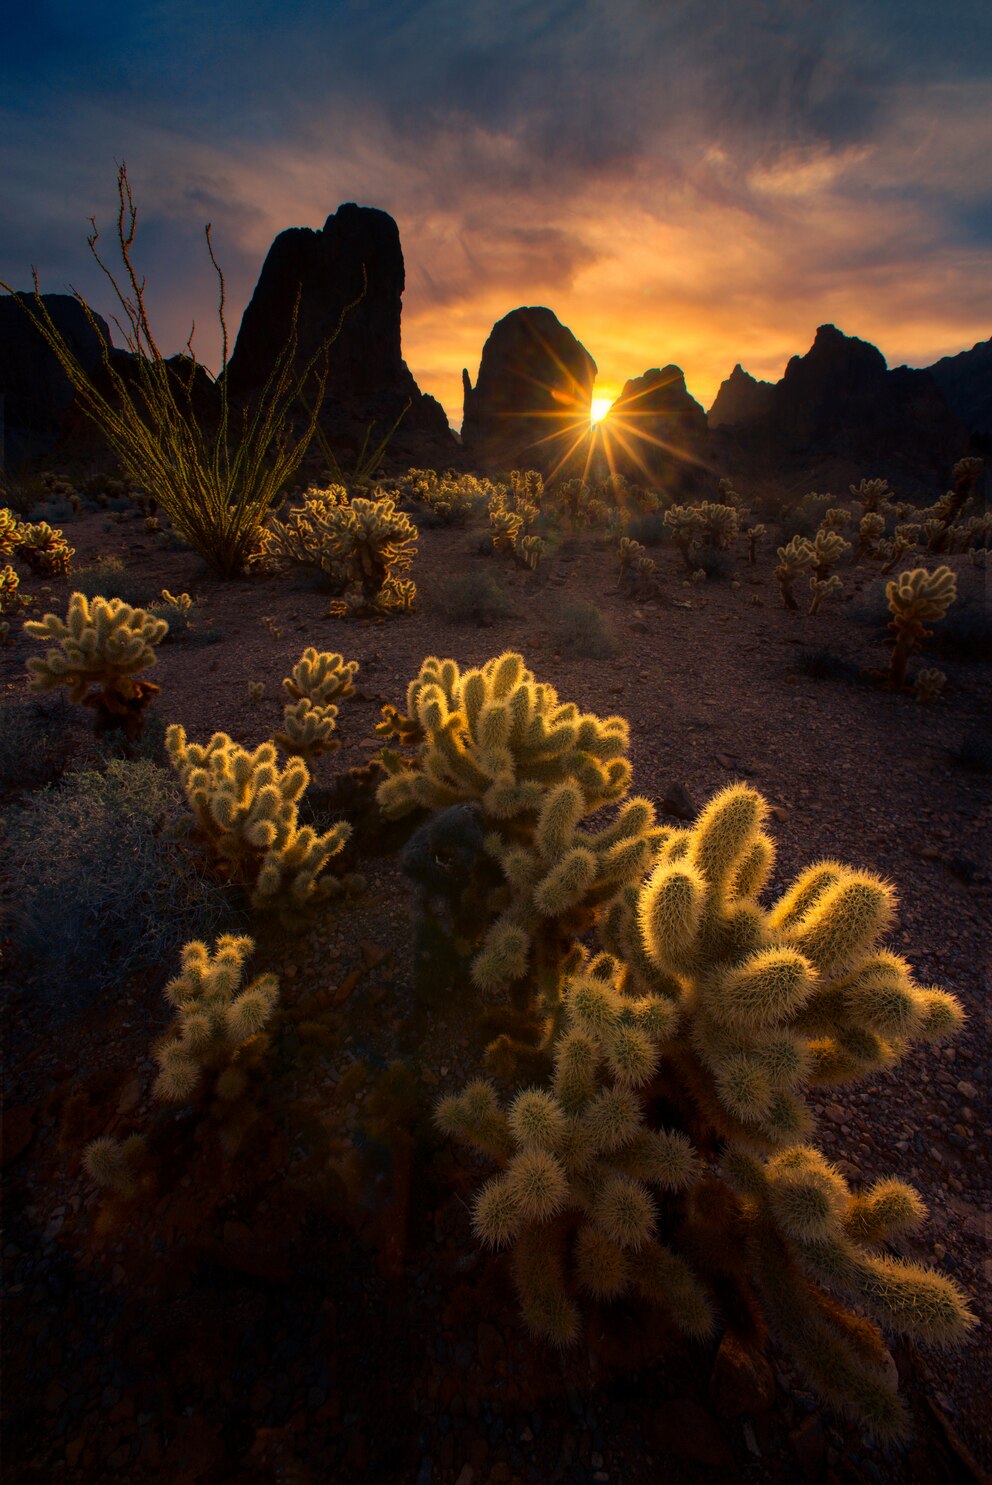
x,y
102,643
915,599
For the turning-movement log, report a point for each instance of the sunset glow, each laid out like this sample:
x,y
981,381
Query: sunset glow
x,y
598,409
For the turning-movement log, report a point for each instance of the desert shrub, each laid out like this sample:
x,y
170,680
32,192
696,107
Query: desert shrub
x,y
107,577
715,563
647,527
104,889
445,499
824,665
583,631
473,598
36,744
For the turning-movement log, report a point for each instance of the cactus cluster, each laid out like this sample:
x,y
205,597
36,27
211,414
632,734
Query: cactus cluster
x,y
102,643
41,546
11,597
372,543
916,598
682,1059
793,560
310,717
246,814
448,499
536,767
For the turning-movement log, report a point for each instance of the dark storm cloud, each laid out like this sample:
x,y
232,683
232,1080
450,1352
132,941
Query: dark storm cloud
x,y
527,151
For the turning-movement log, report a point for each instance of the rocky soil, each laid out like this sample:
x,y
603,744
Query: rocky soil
x,y
369,1338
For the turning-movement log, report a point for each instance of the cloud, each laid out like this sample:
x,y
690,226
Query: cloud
x,y
680,183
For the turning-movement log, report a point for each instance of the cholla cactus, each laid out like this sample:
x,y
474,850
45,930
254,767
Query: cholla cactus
x,y
45,549
805,1229
685,524
904,540
929,685
828,548
718,525
256,691
246,811
505,525
10,532
216,1017
822,588
837,518
697,577
373,543
116,1165
182,603
754,535
872,527
916,598
629,552
945,513
309,721
872,495
103,643
11,597
777,1000
529,549
583,1173
793,561
306,537
449,498
979,558
535,767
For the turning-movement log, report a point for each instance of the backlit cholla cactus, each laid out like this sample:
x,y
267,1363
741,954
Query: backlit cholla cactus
x,y
11,597
45,549
754,535
915,599
182,603
808,1238
629,552
945,513
246,812
584,1177
10,532
535,767
828,548
929,685
449,498
529,549
837,518
310,719
771,1001
904,540
118,1166
718,525
870,530
102,643
822,588
871,495
373,543
505,526
305,538
216,1016
685,524
793,560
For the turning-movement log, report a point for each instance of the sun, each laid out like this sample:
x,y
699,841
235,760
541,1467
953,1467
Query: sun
x,y
598,408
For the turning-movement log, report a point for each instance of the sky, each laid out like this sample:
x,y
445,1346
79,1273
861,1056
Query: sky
x,y
691,181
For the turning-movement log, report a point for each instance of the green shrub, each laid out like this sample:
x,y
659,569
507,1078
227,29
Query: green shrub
x,y
582,630
473,598
104,887
107,577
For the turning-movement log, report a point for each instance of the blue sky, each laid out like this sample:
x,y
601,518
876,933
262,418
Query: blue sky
x,y
687,182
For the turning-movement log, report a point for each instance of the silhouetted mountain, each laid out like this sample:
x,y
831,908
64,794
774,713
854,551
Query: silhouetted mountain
x,y
349,274
741,399
531,401
840,402
656,431
36,391
966,382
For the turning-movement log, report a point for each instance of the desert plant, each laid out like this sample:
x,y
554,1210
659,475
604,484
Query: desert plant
x,y
582,629
793,561
310,718
870,530
754,535
246,815
945,513
871,495
305,538
916,598
529,550
447,499
11,597
44,549
215,489
103,644
822,588
216,1016
828,548
904,539
373,543
473,597
107,577
836,518
535,768
685,524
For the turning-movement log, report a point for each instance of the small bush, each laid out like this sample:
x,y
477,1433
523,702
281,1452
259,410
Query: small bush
x,y
107,577
474,598
35,744
105,888
583,630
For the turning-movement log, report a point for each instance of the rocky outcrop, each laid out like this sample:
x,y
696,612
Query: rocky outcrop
x,y
966,382
350,278
36,392
530,404
839,405
657,431
741,399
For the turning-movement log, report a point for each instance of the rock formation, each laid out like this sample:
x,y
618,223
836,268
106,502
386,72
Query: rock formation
x,y
355,260
530,404
966,382
35,390
657,431
741,399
